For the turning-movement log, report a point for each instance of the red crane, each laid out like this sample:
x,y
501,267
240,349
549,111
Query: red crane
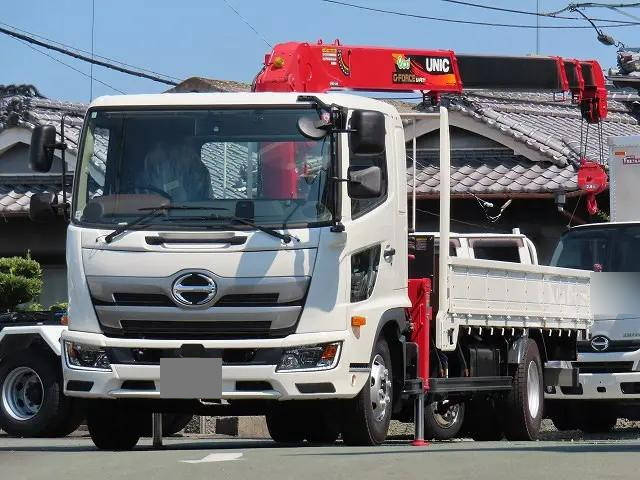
x,y
320,67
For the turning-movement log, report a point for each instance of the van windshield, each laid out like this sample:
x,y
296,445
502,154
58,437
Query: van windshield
x,y
614,248
248,163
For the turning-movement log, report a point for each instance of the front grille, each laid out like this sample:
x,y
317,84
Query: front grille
x,y
230,356
248,300
184,330
143,300
604,367
615,346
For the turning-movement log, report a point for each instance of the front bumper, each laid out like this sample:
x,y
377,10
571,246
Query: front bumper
x,y
604,386
143,381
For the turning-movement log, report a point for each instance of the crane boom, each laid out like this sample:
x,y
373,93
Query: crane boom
x,y
306,67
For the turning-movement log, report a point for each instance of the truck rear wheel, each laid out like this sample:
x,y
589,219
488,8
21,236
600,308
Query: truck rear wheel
x,y
524,403
367,416
31,400
443,420
113,426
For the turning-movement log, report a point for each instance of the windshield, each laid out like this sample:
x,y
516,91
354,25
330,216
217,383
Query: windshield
x,y
613,248
246,163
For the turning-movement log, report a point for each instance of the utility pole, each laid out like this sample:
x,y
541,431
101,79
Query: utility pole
x,y
538,27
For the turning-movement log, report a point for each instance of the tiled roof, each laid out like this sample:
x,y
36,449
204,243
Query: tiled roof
x,y
546,124
16,191
490,172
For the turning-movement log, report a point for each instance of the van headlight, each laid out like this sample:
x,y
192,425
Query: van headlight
x,y
310,357
86,357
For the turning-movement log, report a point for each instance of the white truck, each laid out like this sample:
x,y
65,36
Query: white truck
x,y
247,253
608,361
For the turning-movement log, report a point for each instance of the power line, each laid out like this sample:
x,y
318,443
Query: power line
x,y
248,24
525,12
69,66
65,51
93,24
470,22
119,62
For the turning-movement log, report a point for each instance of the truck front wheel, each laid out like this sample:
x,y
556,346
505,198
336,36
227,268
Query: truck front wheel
x,y
524,403
113,426
31,400
367,416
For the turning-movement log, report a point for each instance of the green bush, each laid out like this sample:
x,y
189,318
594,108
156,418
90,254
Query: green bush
x,y
59,307
20,281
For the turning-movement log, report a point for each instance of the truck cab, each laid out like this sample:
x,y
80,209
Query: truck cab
x,y
609,360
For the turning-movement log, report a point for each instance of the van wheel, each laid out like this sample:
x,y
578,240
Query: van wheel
x,y
113,426
443,420
367,416
31,400
525,402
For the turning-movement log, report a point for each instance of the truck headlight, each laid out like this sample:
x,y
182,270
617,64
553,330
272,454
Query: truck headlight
x,y
83,357
310,357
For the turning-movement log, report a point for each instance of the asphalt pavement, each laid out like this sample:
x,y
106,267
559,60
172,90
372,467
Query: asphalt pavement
x,y
193,457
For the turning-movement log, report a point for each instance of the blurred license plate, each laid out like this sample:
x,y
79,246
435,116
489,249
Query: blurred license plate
x,y
191,378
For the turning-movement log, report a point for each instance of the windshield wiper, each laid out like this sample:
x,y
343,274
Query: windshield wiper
x,y
151,212
285,237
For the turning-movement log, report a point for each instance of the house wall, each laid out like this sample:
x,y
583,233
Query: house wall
x,y
15,161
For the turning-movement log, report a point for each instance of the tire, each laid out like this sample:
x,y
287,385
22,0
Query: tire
x,y
321,424
113,426
31,400
597,420
443,420
524,404
285,424
71,422
367,416
482,422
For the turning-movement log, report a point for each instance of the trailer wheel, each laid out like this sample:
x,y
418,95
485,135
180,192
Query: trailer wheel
x,y
113,426
367,416
285,424
31,400
525,402
443,420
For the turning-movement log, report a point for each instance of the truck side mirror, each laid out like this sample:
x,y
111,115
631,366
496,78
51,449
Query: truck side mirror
x,y
42,207
364,182
43,143
367,136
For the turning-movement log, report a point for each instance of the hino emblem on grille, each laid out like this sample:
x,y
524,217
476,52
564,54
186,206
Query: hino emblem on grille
x,y
194,289
600,343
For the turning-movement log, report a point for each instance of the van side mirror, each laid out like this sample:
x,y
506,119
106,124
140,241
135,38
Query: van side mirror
x,y
368,132
364,182
42,207
43,143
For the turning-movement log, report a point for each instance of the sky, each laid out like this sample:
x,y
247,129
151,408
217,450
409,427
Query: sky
x,y
207,38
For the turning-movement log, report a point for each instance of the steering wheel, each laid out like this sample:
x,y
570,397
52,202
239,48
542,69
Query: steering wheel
x,y
153,189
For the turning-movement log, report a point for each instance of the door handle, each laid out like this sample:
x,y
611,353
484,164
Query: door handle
x,y
388,254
